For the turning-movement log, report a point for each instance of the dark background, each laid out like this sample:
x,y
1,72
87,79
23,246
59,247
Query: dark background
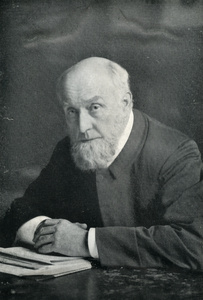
x,y
158,42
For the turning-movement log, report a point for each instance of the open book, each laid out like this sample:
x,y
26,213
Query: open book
x,y
21,261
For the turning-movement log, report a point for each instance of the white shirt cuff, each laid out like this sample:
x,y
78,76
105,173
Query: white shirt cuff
x,y
92,246
26,232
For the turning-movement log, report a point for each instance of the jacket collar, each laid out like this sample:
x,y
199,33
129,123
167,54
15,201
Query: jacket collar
x,y
133,146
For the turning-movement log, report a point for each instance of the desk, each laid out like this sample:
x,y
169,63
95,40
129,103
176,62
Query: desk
x,y
100,283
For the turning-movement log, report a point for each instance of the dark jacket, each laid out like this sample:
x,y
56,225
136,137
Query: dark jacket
x,y
139,205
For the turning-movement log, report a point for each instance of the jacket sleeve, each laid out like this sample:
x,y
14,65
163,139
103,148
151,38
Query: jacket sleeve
x,y
36,200
177,237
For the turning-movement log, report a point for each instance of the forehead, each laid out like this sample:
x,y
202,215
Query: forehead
x,y
86,87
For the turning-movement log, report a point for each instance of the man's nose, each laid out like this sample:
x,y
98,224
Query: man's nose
x,y
85,122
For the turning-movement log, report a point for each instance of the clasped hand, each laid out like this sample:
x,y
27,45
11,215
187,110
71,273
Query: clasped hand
x,y
61,236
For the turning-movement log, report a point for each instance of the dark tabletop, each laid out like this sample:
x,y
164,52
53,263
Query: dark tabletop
x,y
100,283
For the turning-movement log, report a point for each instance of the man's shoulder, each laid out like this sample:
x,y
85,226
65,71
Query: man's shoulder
x,y
160,135
162,142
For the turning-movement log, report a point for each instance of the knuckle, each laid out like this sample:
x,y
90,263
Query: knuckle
x,y
42,238
56,240
43,248
53,247
55,230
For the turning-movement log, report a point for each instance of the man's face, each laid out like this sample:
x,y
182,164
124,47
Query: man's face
x,y
96,117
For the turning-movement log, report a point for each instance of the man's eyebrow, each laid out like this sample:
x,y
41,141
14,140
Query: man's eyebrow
x,y
88,101
95,98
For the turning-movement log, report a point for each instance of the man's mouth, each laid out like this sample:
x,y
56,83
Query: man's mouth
x,y
89,140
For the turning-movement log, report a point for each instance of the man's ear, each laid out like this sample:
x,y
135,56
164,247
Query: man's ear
x,y
127,100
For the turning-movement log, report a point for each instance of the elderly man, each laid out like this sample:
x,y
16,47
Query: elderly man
x,y
114,188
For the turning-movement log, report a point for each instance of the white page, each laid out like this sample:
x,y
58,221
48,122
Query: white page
x,y
25,253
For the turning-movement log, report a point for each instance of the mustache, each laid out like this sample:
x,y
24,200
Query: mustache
x,y
87,137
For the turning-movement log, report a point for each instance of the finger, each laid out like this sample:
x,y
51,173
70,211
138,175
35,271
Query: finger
x,y
49,222
46,249
44,231
81,225
43,240
40,225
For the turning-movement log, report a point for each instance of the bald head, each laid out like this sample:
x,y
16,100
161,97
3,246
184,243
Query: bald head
x,y
93,71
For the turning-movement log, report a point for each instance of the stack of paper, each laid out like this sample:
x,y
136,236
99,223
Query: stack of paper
x,y
21,261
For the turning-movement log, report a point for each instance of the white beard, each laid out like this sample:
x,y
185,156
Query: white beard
x,y
93,154
97,153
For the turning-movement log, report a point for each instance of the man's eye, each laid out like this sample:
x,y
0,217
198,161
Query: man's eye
x,y
71,112
94,107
